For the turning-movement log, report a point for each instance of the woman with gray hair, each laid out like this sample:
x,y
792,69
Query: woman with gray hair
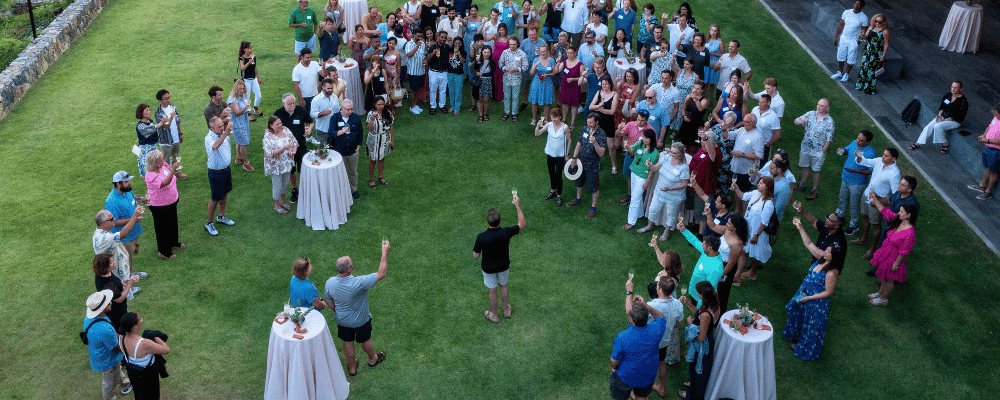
x,y
279,157
673,174
161,189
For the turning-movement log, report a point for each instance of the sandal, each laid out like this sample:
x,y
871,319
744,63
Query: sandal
x,y
914,146
286,206
614,170
172,256
372,184
504,117
182,246
378,359
486,117
748,276
247,167
625,200
944,149
643,230
514,118
456,112
280,210
252,118
356,364
382,181
572,127
490,316
628,227
682,394
472,108
480,119
559,201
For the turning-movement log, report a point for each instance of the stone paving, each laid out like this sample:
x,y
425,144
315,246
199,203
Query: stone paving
x,y
926,74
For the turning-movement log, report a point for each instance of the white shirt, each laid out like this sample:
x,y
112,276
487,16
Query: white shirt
x,y
450,26
884,180
675,34
555,141
777,103
574,15
217,158
853,23
322,103
174,133
599,30
766,123
307,77
730,64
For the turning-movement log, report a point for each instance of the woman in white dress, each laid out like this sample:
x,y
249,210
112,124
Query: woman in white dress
x,y
671,190
760,207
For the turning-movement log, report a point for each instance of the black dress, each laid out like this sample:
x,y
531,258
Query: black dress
x,y
375,89
606,122
688,131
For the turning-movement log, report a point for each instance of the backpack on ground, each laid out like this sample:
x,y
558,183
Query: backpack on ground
x,y
911,113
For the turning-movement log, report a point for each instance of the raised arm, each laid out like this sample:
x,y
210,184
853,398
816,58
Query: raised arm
x,y
383,265
807,241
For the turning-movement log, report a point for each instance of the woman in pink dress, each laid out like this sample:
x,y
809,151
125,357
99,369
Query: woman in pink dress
x,y
569,92
499,45
890,259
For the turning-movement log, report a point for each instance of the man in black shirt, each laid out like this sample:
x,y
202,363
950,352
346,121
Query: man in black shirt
x,y
298,121
830,233
494,246
437,64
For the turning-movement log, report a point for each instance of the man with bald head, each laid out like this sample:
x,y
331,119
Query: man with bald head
x,y
347,297
747,150
658,117
816,140
220,178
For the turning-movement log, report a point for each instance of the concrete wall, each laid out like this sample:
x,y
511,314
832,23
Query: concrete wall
x,y
29,66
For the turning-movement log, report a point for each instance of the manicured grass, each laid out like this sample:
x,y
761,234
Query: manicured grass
x,y
75,127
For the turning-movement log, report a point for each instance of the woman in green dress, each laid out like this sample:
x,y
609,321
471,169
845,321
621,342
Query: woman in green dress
x,y
876,46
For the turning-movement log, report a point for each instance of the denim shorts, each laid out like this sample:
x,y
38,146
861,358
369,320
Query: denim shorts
x,y
991,160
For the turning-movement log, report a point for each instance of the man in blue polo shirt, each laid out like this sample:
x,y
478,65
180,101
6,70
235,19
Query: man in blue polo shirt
x,y
854,179
635,356
102,343
121,202
658,117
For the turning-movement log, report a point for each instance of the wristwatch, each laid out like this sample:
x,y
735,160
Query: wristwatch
x,y
628,292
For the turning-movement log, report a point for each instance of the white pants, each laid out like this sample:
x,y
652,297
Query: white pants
x,y
672,208
635,205
438,89
253,87
938,129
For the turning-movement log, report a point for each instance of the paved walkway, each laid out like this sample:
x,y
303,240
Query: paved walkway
x,y
926,75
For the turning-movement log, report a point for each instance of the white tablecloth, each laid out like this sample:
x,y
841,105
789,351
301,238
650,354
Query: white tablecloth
x,y
615,69
304,369
353,11
355,89
961,30
744,364
324,192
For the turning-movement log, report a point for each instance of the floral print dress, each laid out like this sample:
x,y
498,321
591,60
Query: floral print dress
x,y
874,48
280,163
807,320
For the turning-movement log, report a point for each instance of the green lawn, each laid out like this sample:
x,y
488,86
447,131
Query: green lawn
x,y
75,127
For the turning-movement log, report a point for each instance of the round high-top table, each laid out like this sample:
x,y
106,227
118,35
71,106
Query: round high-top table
x,y
324,192
618,66
353,11
306,368
961,30
744,364
350,73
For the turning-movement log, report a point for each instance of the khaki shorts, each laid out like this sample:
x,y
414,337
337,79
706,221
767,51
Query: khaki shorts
x,y
874,217
811,161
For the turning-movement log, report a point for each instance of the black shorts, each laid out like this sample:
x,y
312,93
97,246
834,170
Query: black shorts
x,y
299,153
360,334
416,82
620,390
663,353
221,183
743,182
590,179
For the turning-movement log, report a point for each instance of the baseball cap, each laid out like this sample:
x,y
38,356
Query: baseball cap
x,y
121,176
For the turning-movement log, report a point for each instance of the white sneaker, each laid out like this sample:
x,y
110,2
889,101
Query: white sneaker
x,y
210,227
420,109
837,75
845,78
873,295
414,110
222,219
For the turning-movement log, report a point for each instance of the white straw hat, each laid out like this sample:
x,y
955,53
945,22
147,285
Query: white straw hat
x,y
97,302
573,175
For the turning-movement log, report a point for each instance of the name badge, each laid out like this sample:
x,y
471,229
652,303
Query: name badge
x,y
652,117
434,11
381,79
296,122
946,101
621,17
584,135
133,201
726,108
702,156
702,53
748,141
566,70
509,15
701,267
639,151
629,90
309,17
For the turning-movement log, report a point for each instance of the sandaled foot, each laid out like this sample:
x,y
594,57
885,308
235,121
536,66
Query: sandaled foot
x,y
944,149
480,119
550,195
514,118
682,394
506,311
687,384
748,276
490,316
372,184
737,283
378,359
665,235
792,346
627,226
280,210
572,127
614,170
625,200
860,241
660,390
286,206
504,117
182,246
643,229
172,256
382,181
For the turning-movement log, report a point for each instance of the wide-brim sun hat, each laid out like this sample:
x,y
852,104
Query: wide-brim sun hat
x,y
573,175
97,302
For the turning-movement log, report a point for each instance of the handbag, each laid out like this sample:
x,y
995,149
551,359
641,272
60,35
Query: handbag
x,y
626,111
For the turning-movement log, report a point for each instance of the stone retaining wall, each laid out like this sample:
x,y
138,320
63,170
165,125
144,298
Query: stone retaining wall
x,y
29,66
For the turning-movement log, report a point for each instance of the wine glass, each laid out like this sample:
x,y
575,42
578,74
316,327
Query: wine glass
x,y
513,193
841,151
631,273
684,291
797,204
655,236
178,158
288,306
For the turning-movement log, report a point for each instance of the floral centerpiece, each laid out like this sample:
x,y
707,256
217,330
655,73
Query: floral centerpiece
x,y
298,317
743,319
320,149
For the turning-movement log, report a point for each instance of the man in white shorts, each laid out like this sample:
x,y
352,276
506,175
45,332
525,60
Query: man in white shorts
x,y
494,246
852,23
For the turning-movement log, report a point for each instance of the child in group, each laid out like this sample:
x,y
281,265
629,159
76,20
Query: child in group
x,y
556,151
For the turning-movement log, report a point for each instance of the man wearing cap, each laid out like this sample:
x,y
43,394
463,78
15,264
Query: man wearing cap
x,y
303,19
220,178
347,297
121,203
111,243
494,246
102,343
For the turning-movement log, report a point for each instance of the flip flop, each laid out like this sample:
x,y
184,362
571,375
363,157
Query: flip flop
x,y
747,276
356,364
378,359
506,313
182,246
488,314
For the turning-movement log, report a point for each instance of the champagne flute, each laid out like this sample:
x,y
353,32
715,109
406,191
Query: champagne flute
x,y
288,307
513,193
797,205
178,159
631,273
655,236
684,291
385,239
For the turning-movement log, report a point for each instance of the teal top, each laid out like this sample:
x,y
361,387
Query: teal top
x,y
707,269
638,166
